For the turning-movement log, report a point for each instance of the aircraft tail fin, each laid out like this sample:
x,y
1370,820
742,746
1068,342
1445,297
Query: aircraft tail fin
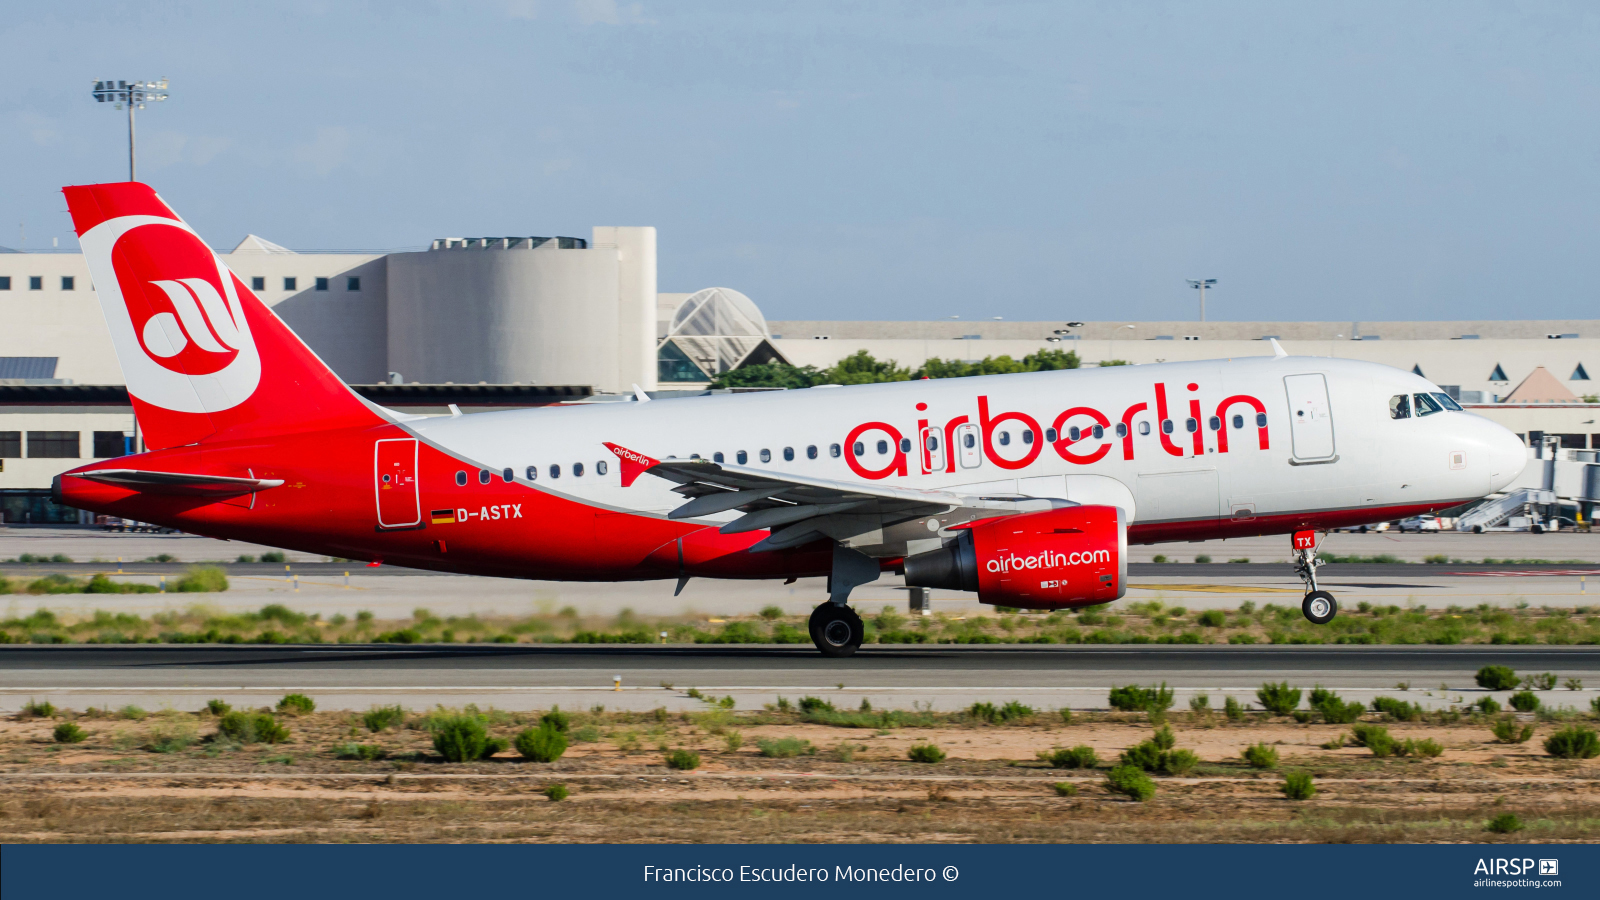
x,y
202,356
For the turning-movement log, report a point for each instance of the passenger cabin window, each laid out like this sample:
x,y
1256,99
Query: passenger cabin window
x,y
834,450
1191,426
1144,427
1400,406
1098,431
766,456
788,454
1122,429
1027,435
883,447
555,471
1166,426
905,445
577,470
600,467
533,473
1074,433
1005,438
811,452
1049,435
1261,420
1447,401
483,476
461,479
1427,406
1215,423
507,475
717,457
742,457
1238,421
859,449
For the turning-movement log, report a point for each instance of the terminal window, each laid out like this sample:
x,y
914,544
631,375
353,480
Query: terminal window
x,y
10,445
108,444
52,445
5,282
288,284
68,283
35,282
353,283
322,284
258,283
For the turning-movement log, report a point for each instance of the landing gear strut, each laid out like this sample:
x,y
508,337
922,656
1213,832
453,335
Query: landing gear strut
x,y
1318,607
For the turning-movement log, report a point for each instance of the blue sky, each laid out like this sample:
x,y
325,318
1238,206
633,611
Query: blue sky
x,y
1054,160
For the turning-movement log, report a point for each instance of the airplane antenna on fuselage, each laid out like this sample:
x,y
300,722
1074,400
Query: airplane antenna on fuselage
x,y
1277,351
640,395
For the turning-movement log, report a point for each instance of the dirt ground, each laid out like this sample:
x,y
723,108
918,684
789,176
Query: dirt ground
x,y
857,786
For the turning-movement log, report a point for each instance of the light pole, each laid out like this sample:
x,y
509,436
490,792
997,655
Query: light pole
x,y
131,93
1201,284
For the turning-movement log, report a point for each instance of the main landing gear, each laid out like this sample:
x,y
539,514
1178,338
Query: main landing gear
x,y
835,627
1318,607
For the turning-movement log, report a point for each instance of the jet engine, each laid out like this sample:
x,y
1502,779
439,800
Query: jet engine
x,y
1075,556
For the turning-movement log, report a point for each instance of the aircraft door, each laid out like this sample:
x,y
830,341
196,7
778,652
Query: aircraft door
x,y
1310,417
932,451
395,481
966,441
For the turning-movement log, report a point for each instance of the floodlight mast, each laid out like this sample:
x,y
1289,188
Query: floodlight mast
x,y
1201,284
133,94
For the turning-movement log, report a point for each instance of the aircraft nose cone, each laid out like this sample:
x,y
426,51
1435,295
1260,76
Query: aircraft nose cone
x,y
1507,457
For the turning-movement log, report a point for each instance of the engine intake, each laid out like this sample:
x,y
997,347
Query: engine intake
x,y
1044,560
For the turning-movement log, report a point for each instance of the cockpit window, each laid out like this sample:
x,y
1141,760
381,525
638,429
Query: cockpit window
x,y
1447,401
1400,406
1427,406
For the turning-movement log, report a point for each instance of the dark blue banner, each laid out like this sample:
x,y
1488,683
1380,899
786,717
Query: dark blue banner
x,y
312,872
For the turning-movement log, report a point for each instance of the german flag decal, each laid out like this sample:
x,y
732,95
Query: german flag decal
x,y
443,517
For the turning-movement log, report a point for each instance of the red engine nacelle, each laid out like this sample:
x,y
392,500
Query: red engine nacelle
x,y
1045,560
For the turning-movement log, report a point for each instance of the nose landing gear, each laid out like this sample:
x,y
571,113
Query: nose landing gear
x,y
1318,607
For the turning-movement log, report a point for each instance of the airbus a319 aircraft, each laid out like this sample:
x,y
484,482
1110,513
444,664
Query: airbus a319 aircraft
x,y
1025,489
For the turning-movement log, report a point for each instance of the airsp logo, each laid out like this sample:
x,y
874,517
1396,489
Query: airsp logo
x,y
174,314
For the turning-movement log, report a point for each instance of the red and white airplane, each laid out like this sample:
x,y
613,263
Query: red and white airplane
x,y
1023,488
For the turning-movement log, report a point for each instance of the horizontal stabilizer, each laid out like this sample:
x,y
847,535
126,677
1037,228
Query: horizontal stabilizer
x,y
179,483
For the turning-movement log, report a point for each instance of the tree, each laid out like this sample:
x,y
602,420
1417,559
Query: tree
x,y
772,374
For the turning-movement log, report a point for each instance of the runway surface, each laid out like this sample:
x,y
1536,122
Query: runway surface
x,y
537,676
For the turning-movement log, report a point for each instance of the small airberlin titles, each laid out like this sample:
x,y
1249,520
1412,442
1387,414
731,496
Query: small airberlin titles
x,y
1048,560
461,514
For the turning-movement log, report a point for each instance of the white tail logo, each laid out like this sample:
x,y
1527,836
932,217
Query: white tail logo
x,y
164,336
152,351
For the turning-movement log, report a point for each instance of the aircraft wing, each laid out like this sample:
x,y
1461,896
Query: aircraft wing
x,y
179,483
800,508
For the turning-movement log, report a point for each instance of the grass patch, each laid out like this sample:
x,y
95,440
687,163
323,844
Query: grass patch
x,y
544,744
925,753
68,733
784,748
245,727
686,760
297,705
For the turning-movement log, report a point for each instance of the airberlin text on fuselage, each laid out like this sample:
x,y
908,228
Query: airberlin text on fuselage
x,y
939,447
1048,560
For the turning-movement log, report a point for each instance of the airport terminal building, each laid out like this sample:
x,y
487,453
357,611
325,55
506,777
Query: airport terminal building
x,y
488,323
